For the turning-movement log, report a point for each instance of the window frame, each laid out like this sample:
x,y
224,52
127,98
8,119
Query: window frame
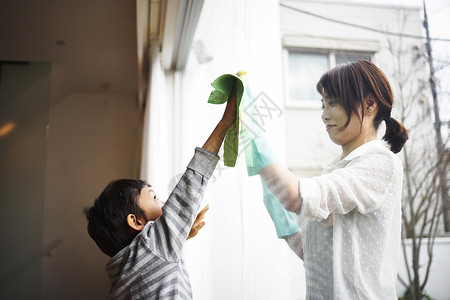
x,y
312,103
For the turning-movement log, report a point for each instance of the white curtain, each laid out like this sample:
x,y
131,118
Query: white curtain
x,y
155,163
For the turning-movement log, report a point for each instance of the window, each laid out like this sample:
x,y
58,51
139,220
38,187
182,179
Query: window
x,y
349,57
304,68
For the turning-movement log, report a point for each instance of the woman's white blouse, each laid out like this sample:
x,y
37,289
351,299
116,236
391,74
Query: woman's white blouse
x,y
351,225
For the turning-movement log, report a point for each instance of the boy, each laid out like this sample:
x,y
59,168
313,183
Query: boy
x,y
143,236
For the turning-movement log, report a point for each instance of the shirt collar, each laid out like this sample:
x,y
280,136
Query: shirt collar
x,y
361,150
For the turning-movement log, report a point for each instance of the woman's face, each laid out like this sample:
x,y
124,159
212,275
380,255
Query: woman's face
x,y
335,118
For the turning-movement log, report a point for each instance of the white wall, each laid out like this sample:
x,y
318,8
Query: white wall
x,y
24,98
437,286
66,146
93,139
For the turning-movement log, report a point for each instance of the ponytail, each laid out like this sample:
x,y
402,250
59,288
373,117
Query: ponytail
x,y
396,135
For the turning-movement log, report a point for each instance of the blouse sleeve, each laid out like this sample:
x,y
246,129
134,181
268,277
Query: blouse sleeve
x,y
362,184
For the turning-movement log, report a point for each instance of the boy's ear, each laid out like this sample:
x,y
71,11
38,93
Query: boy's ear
x,y
135,223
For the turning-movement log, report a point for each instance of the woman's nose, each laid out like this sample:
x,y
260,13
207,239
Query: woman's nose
x,y
325,115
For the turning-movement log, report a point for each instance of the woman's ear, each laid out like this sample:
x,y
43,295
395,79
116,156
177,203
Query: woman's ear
x,y
370,105
135,223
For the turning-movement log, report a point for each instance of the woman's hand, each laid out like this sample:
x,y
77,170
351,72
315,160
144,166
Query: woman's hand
x,y
198,223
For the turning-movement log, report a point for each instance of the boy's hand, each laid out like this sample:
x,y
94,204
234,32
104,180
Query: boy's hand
x,y
229,115
215,140
198,223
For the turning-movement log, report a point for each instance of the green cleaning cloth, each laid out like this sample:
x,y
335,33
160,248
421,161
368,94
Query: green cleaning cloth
x,y
284,221
258,153
257,156
223,87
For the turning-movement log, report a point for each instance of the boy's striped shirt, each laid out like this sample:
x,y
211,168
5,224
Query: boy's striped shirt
x,y
151,267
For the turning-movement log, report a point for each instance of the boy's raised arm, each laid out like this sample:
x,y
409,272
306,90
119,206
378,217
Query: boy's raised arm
x,y
169,232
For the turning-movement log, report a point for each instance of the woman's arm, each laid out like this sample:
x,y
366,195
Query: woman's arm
x,y
283,184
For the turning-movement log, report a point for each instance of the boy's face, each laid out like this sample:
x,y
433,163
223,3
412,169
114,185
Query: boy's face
x,y
149,203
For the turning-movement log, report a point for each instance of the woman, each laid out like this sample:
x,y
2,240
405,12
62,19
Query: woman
x,y
351,214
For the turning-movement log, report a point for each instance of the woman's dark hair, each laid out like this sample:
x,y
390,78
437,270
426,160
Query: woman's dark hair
x,y
351,83
107,218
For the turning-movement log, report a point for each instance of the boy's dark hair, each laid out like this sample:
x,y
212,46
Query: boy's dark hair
x,y
107,218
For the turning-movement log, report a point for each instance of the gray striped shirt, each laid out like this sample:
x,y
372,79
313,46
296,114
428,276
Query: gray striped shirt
x,y
151,267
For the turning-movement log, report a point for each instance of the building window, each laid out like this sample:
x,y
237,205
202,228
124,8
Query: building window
x,y
304,69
